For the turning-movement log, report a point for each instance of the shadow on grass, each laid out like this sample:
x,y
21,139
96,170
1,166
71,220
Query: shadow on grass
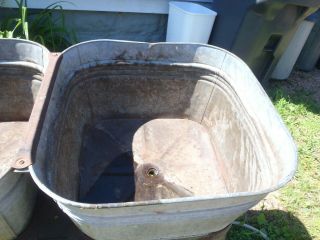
x,y
276,224
50,223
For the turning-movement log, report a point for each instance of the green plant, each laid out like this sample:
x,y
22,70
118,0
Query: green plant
x,y
16,26
46,26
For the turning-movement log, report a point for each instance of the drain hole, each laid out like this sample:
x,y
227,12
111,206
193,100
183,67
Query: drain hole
x,y
152,172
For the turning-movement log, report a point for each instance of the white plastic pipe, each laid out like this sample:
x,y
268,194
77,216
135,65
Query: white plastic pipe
x,y
189,22
288,59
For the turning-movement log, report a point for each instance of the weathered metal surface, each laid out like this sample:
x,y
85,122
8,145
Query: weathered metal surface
x,y
19,85
23,159
21,66
17,199
101,86
11,139
167,154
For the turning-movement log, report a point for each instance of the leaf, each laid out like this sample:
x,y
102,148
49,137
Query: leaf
x,y
261,219
9,34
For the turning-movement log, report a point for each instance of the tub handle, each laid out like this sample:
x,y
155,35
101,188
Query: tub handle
x,y
24,170
36,120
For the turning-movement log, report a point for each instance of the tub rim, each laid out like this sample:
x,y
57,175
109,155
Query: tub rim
x,y
45,55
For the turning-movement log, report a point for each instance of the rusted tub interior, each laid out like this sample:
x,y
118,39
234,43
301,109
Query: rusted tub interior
x,y
122,132
21,71
22,64
18,87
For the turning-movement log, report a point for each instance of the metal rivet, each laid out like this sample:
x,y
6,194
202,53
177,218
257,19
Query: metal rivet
x,y
21,162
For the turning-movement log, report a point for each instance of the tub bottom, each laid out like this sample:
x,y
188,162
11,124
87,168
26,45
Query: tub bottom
x,y
125,160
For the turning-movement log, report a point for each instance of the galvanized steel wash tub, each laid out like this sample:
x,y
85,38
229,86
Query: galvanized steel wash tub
x,y
104,86
21,66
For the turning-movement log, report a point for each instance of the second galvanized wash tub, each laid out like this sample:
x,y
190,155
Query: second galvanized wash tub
x,y
22,64
157,141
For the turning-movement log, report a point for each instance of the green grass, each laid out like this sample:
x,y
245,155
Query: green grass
x,y
301,197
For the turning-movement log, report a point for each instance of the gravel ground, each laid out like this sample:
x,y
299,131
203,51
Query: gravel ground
x,y
308,82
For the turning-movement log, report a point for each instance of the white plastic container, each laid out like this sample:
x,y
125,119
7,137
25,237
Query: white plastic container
x,y
189,22
288,59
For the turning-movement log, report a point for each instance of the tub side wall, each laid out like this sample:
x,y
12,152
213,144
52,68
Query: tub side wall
x,y
46,150
15,50
22,64
17,201
272,136
243,167
172,220
19,86
66,141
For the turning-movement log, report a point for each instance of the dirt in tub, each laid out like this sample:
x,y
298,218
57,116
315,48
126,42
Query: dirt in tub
x,y
126,160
